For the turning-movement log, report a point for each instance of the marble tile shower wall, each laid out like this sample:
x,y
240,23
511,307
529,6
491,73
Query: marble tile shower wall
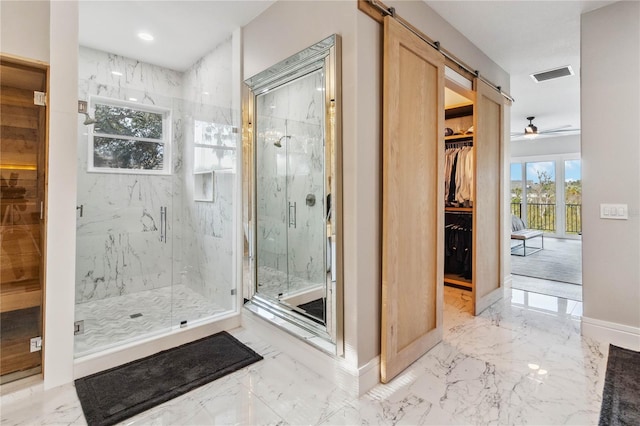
x,y
208,251
293,116
118,236
119,249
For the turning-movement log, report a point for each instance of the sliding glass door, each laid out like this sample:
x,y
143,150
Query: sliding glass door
x,y
547,195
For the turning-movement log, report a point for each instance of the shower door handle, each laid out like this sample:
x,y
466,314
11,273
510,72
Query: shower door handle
x,y
163,224
292,216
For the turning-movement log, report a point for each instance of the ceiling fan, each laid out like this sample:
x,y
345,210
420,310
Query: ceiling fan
x,y
531,131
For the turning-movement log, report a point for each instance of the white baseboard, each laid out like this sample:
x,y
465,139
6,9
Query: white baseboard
x,y
355,381
368,375
111,358
620,335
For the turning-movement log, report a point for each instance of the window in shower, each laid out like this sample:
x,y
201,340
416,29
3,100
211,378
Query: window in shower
x,y
214,149
130,138
214,146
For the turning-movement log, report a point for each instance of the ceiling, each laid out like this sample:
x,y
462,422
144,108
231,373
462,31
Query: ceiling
x,y
184,31
526,37
522,37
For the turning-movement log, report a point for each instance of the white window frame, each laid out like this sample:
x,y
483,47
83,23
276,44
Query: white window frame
x,y
216,147
559,160
165,141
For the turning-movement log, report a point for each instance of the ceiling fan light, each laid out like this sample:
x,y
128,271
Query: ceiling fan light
x,y
531,135
531,130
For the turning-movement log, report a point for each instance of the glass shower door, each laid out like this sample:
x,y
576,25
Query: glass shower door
x,y
123,221
291,205
272,204
306,236
123,260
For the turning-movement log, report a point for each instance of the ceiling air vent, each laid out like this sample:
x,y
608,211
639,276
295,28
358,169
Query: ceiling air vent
x,y
551,74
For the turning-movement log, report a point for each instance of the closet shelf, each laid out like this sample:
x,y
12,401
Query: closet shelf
x,y
459,209
468,136
458,280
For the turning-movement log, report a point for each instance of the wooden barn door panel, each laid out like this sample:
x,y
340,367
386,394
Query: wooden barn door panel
x,y
489,120
413,206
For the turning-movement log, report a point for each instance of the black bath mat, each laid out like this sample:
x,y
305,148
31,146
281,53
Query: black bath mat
x,y
113,395
315,308
621,394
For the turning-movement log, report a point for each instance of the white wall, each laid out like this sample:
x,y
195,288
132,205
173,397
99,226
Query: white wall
x,y
24,29
61,216
610,157
546,146
288,27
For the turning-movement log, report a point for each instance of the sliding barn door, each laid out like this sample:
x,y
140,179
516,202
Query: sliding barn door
x,y
489,124
412,197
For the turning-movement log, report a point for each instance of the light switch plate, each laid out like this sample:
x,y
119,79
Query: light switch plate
x,y
614,211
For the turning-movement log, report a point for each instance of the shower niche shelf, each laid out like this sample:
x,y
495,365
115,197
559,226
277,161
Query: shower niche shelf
x,y
203,186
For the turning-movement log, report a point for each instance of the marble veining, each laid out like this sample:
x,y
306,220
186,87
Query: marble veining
x,y
122,249
522,361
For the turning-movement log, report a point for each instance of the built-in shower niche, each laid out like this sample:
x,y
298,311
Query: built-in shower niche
x,y
294,199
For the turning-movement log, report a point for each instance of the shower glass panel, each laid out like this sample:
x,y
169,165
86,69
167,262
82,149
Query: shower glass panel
x,y
204,280
290,194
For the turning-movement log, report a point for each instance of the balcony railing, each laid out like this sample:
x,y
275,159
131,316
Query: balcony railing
x,y
543,216
574,218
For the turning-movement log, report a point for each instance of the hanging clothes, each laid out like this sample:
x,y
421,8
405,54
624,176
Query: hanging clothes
x,y
458,180
458,242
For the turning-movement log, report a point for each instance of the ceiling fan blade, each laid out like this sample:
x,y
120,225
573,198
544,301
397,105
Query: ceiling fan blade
x,y
561,130
553,129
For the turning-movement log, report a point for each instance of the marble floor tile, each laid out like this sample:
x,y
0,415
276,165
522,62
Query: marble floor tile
x,y
552,288
52,407
522,361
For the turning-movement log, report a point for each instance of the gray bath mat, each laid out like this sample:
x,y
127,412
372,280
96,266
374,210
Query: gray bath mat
x,y
113,395
621,394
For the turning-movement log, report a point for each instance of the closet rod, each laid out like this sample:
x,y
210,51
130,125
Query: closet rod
x,y
390,11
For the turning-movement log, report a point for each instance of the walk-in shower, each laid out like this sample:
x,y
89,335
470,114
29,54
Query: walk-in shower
x,y
156,195
293,206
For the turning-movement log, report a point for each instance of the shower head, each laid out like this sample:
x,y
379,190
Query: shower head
x,y
88,120
278,143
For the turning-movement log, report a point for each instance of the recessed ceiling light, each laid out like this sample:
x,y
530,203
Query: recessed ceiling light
x,y
145,36
118,73
205,93
133,99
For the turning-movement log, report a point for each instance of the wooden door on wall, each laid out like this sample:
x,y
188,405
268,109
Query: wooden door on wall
x,y
22,171
489,122
412,198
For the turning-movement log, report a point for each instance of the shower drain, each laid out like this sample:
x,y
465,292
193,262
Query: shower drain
x,y
135,315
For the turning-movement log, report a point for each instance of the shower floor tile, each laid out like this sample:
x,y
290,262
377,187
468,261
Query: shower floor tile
x,y
122,319
273,282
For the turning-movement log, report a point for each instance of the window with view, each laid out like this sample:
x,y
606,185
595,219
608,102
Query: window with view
x,y
215,146
129,138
